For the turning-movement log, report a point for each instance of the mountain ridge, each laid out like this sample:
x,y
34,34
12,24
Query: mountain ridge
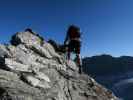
x,y
106,64
31,69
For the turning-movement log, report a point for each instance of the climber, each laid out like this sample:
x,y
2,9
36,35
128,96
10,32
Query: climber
x,y
73,43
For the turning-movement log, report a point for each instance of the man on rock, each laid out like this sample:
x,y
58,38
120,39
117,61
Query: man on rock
x,y
73,43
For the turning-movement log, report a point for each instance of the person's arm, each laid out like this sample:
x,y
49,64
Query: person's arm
x,y
66,39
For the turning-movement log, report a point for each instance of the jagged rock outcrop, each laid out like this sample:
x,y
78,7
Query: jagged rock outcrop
x,y
31,69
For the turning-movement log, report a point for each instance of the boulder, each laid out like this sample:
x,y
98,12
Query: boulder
x,y
15,66
26,38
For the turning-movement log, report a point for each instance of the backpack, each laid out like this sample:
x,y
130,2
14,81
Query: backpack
x,y
74,32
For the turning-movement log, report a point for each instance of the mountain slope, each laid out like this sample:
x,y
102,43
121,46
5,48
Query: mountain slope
x,y
113,72
30,69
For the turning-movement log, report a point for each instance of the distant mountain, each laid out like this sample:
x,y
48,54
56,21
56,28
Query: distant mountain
x,y
107,65
115,73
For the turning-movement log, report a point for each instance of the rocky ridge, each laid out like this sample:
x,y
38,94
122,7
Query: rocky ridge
x,y
31,69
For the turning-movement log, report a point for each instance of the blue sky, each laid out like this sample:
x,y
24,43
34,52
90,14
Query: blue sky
x,y
106,24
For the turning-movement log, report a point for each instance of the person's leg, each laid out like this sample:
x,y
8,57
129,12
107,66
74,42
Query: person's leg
x,y
78,58
77,51
68,54
69,50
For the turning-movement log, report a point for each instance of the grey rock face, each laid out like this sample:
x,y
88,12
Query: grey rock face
x,y
33,70
3,51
